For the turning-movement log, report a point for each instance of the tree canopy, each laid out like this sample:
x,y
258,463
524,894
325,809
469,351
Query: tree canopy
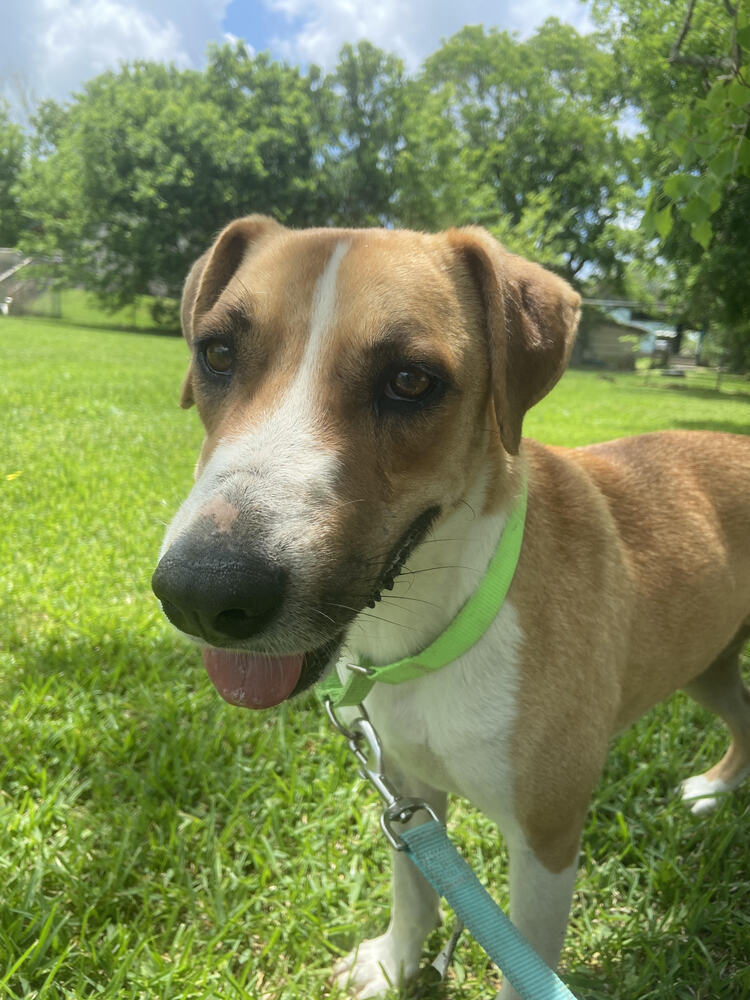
x,y
12,145
533,145
138,173
560,143
684,63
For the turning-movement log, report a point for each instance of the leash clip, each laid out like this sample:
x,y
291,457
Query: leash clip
x,y
401,811
365,744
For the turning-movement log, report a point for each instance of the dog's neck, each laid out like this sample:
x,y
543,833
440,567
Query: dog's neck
x,y
441,574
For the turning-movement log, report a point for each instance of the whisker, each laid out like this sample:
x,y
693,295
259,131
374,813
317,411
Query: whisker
x,y
432,569
317,611
346,607
389,601
468,505
387,621
403,597
428,540
375,618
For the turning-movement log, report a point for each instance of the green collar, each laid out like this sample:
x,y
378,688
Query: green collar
x,y
469,625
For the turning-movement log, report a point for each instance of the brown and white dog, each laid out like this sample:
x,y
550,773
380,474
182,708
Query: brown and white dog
x,y
363,393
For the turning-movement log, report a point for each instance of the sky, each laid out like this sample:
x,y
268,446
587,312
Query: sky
x,y
49,48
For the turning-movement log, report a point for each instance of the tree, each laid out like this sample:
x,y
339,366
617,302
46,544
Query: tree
x,y
367,107
523,137
684,63
683,60
132,180
11,161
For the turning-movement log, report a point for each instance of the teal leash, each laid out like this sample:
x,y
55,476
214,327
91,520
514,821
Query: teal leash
x,y
429,848
451,877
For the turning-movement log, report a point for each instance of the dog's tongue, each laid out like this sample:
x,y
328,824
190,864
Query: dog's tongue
x,y
252,680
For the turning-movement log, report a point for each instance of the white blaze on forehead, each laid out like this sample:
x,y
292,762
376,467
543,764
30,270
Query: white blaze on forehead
x,y
281,466
323,307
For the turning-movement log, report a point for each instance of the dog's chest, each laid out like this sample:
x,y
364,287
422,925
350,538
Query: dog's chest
x,y
453,729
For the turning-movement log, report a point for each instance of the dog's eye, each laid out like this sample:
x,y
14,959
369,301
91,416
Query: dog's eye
x,y
218,357
404,385
410,386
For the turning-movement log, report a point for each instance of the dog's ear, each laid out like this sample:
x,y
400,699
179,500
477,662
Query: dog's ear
x,y
530,317
225,256
211,274
187,305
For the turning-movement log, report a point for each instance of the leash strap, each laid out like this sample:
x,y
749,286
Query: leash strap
x,y
435,856
469,625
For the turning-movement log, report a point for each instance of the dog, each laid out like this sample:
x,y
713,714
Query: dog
x,y
363,393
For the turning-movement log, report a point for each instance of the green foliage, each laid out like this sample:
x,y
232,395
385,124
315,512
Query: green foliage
x,y
12,144
706,132
80,308
683,61
130,182
369,96
158,844
522,137
148,163
531,138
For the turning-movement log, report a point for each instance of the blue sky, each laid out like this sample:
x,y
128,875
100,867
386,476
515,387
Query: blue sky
x,y
304,31
256,24
49,48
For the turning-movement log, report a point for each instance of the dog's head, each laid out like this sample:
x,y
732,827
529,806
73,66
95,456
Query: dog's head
x,y
353,385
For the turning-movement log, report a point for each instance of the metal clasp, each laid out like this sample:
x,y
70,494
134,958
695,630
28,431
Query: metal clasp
x,y
365,744
357,668
401,812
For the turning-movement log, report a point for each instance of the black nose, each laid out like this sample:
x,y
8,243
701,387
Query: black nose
x,y
215,592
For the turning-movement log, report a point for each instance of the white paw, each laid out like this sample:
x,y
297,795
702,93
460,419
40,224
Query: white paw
x,y
374,968
703,793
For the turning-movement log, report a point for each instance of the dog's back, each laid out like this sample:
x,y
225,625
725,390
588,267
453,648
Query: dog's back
x,y
684,532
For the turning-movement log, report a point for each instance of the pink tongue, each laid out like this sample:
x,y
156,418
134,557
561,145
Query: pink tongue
x,y
252,680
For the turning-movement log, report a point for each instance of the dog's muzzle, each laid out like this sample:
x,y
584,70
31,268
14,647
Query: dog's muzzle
x,y
210,587
212,591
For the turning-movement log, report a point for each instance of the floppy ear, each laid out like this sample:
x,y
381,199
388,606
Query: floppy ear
x,y
211,274
530,317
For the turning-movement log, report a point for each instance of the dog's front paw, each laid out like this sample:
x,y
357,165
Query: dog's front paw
x,y
374,968
702,793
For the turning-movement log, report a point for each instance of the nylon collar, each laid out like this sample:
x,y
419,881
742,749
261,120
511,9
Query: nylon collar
x,y
466,629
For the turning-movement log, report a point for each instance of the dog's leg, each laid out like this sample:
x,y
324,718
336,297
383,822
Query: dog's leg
x,y
722,690
387,961
539,904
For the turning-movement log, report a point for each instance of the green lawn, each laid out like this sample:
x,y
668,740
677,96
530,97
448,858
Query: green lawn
x,y
157,843
74,305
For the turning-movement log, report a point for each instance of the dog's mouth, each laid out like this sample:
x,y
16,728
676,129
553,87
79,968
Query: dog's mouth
x,y
410,539
262,680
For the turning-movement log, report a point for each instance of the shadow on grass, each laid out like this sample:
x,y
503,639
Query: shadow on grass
x,y
157,767
102,327
726,426
737,395
133,716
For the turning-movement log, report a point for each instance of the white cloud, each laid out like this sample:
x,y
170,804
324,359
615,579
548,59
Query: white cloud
x,y
49,47
232,40
318,28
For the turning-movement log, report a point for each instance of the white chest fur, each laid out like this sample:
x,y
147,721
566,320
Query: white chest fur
x,y
453,729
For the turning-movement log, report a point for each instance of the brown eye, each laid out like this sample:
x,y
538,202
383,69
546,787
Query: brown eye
x,y
410,384
218,357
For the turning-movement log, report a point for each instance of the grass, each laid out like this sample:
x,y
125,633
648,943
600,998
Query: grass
x,y
156,843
